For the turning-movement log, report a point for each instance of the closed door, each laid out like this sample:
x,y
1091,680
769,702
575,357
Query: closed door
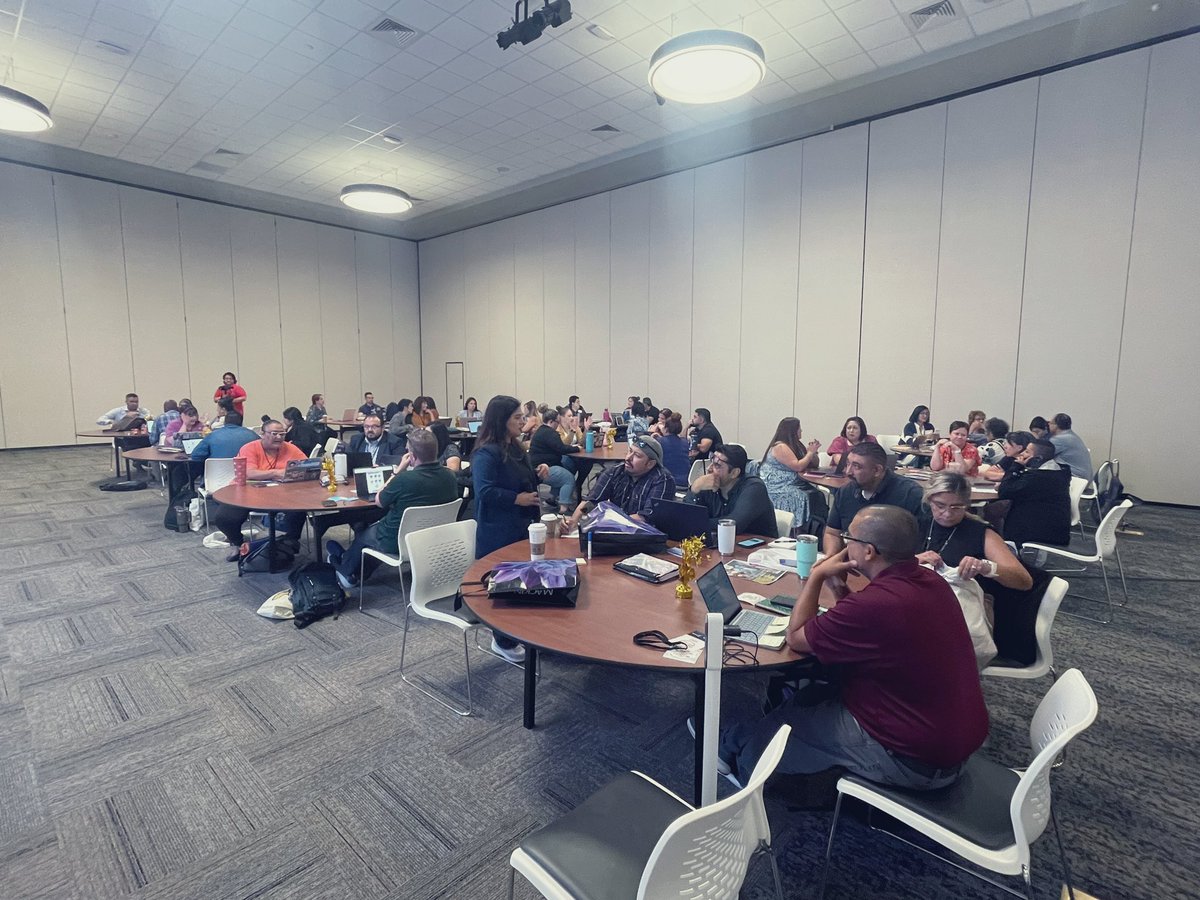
x,y
456,389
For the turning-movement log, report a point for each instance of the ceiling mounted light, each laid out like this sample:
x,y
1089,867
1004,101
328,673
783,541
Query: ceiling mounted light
x,y
376,198
707,66
20,112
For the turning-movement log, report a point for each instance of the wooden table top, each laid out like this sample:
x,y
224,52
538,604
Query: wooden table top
x,y
614,454
104,433
296,496
612,607
981,489
905,450
154,454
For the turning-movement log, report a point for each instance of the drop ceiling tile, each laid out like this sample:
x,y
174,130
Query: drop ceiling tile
x,y
759,24
779,45
179,18
852,67
882,33
350,12
373,47
620,20
616,56
1001,15
479,95
486,15
287,66
425,94
554,54
328,28
1042,7
793,65
811,81
584,71
835,50
893,54
345,61
290,12
768,94
944,35
646,41
432,50
413,67
308,46
861,13
820,30
459,34
229,58
333,77
444,80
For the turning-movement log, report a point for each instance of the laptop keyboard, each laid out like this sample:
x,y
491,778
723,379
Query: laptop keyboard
x,y
757,622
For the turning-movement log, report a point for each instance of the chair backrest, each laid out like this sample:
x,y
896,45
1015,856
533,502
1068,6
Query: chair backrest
x,y
887,441
824,460
1052,598
218,473
439,557
1068,708
783,522
707,850
1078,486
696,470
417,517
1106,531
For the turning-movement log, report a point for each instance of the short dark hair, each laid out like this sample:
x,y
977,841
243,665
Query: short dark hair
x,y
550,415
188,411
404,402
367,394
703,413
378,418
1039,423
996,428
1063,421
574,398
735,455
423,445
957,423
862,427
638,409
133,395
231,375
674,424
315,398
233,418
1019,438
1044,450
871,452
225,404
292,414
267,421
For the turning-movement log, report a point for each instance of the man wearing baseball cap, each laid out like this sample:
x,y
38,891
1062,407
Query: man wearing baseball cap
x,y
635,486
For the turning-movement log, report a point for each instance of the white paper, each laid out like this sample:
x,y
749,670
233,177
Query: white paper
x,y
695,646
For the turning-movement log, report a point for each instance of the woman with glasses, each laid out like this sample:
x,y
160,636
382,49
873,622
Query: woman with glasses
x,y
952,537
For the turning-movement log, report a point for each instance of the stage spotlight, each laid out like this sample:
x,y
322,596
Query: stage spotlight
x,y
528,29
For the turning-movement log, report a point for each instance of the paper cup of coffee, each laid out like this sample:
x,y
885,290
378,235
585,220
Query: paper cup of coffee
x,y
550,520
537,541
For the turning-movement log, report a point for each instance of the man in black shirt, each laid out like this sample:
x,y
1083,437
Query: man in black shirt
x,y
726,492
703,434
870,484
370,407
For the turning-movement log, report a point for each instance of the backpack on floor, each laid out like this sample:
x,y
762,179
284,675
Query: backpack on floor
x,y
315,593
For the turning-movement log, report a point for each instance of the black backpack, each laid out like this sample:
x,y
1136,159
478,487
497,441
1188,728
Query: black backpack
x,y
315,593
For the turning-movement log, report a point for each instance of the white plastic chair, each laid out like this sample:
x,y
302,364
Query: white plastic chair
x,y
824,460
1076,491
888,441
218,473
634,838
783,522
414,519
439,557
1043,664
992,814
1106,546
698,468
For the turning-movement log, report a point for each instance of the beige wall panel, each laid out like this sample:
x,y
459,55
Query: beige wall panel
x,y
672,202
594,336
558,280
443,268
256,300
629,349
300,311
93,278
770,266
501,339
1089,130
900,268
339,318
985,204
717,292
1162,315
374,265
536,344
34,359
150,232
212,331
829,303
406,320
481,262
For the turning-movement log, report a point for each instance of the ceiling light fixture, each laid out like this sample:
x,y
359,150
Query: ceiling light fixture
x,y
20,112
376,198
706,66
528,29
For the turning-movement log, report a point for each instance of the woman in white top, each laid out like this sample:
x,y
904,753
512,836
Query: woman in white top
x,y
471,413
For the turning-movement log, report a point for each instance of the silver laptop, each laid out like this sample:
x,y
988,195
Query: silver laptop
x,y
720,597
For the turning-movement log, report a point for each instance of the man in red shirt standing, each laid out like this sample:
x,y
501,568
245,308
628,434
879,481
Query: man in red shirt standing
x,y
265,458
909,710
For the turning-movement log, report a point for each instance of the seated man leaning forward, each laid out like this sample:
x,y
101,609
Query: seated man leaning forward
x,y
727,492
420,481
635,486
909,709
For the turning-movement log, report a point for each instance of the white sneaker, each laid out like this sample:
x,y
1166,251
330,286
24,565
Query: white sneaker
x,y
515,655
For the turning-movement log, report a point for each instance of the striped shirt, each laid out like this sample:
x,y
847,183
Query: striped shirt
x,y
634,496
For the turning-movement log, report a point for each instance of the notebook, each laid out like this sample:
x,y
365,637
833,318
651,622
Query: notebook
x,y
720,597
678,520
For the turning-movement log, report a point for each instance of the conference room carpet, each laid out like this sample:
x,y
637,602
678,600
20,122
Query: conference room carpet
x,y
160,740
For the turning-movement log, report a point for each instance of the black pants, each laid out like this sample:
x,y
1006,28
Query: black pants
x,y
230,519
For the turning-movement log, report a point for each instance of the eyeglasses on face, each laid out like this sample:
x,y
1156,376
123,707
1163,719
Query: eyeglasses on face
x,y
275,433
940,506
847,536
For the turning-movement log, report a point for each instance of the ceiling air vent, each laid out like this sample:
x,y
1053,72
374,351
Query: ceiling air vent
x,y
606,130
393,32
932,14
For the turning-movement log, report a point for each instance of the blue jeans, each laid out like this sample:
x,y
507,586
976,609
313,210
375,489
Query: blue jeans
x,y
824,736
563,483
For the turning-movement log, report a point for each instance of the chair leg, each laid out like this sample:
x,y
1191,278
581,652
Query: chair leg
x,y
362,563
1121,569
512,881
837,811
1107,601
1063,854
770,851
412,682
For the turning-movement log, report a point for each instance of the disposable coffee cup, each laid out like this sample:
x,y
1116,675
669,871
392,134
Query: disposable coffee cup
x,y
726,536
550,520
339,466
537,541
806,554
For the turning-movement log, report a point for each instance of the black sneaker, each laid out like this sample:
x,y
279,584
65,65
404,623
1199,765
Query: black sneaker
x,y
333,553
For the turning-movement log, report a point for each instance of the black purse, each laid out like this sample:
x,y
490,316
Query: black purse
x,y
547,582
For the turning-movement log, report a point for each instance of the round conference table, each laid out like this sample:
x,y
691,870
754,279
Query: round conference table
x,y
116,437
605,456
166,457
611,608
296,496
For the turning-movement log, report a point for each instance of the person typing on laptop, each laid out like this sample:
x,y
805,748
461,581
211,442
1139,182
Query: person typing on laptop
x,y
266,458
634,486
907,709
727,492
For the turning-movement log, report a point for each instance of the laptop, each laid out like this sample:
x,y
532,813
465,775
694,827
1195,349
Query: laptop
x,y
189,440
474,426
301,470
359,460
350,414
369,481
720,597
679,520
128,423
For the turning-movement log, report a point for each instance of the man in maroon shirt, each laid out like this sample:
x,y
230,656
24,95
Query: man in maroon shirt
x,y
910,708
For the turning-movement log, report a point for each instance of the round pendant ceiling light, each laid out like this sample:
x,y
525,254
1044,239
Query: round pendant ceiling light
x,y
707,66
20,112
376,198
